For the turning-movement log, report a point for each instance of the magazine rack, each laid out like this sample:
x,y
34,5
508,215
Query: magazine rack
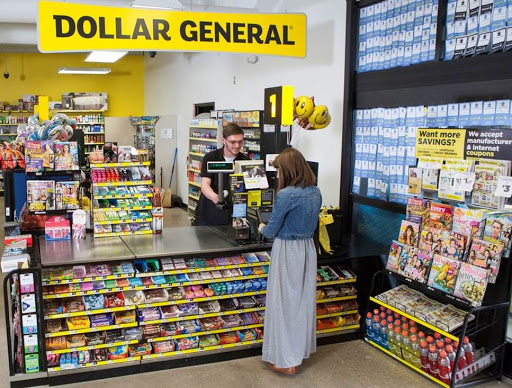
x,y
485,326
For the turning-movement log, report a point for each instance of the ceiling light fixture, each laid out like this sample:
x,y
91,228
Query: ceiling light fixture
x,y
83,70
158,4
105,56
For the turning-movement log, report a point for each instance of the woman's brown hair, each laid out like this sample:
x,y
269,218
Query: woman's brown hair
x,y
293,169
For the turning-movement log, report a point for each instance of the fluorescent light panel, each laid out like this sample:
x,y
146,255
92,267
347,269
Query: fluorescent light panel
x,y
83,70
105,56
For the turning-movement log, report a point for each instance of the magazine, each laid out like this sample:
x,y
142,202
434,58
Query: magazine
x,y
443,273
498,229
486,254
418,211
417,268
469,221
409,233
66,156
447,318
426,243
66,195
394,256
471,283
441,216
39,155
40,195
414,182
405,259
236,183
454,245
486,181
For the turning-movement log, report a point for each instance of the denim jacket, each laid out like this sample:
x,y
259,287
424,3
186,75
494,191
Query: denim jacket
x,y
295,213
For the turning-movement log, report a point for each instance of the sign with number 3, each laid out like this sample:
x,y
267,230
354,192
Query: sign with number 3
x,y
504,187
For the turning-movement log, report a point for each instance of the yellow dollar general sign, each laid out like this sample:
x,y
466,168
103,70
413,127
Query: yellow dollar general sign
x,y
78,27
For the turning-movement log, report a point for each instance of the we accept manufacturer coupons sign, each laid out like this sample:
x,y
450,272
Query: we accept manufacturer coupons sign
x,y
67,27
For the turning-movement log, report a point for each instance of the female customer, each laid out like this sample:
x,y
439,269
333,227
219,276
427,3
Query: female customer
x,y
290,321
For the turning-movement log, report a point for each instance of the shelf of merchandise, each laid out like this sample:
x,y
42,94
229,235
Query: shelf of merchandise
x,y
125,208
337,329
201,333
415,319
430,377
90,330
341,313
337,299
94,133
89,312
203,139
204,269
200,127
91,347
121,196
339,281
97,363
88,279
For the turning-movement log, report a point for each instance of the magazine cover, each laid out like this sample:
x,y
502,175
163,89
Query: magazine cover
x,y
66,156
39,155
236,183
406,257
66,195
471,283
394,255
426,243
486,254
40,195
441,216
469,221
418,211
417,268
414,182
498,229
443,273
454,245
409,233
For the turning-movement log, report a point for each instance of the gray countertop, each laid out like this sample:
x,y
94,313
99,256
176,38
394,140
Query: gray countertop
x,y
172,242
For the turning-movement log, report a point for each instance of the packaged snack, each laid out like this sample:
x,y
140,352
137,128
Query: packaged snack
x,y
228,338
115,300
124,317
158,295
171,311
56,343
74,287
95,338
209,307
248,335
216,274
147,281
213,323
77,323
134,298
249,318
188,308
103,270
149,314
135,282
208,340
163,347
260,300
114,336
102,320
79,271
179,264
98,285
52,307
76,340
232,320
139,349
170,328
110,283
192,326
321,309
94,302
98,355
222,261
133,333
159,280
247,302
259,270
151,331
61,289
250,257
187,343
211,263
86,286
167,264
117,352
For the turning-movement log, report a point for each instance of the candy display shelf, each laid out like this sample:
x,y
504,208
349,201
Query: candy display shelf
x,y
98,363
90,330
111,185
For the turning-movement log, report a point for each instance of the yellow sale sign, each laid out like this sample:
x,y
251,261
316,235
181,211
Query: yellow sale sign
x,y
444,143
68,27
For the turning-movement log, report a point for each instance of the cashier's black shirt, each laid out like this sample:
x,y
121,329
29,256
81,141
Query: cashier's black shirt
x,y
207,213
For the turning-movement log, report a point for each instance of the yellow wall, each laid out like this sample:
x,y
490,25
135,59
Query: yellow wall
x,y
37,74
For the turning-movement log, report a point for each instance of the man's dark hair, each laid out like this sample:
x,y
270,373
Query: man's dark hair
x,y
232,129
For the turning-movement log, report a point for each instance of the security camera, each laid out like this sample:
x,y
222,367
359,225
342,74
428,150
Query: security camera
x,y
6,74
152,54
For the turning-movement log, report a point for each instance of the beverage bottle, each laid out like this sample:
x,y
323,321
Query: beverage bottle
x,y
421,336
404,320
451,355
439,345
396,315
384,334
425,362
406,346
389,312
430,340
376,312
412,323
383,315
390,320
438,337
382,309
398,323
369,326
391,338
462,360
415,351
468,350
405,327
447,341
433,357
445,372
413,331
398,343
376,330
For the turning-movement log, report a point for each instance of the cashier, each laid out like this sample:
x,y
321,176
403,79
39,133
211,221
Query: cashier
x,y
207,213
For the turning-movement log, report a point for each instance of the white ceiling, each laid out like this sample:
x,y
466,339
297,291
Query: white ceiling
x,y
18,18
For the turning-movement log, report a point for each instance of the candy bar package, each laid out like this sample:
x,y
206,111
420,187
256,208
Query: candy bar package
x,y
95,338
188,308
229,304
77,323
232,320
170,328
208,340
72,305
56,343
124,317
94,302
52,307
213,306
149,314
167,264
176,293
151,331
54,326
249,318
249,335
114,336
115,300
187,343
98,355
100,320
133,333
163,347
134,298
139,349
117,352
250,257
171,311
159,295
247,302
229,338
76,340
192,326
213,323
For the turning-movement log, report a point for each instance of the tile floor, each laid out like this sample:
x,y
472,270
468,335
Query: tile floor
x,y
351,364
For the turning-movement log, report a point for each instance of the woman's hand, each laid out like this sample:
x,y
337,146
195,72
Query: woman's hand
x,y
261,226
